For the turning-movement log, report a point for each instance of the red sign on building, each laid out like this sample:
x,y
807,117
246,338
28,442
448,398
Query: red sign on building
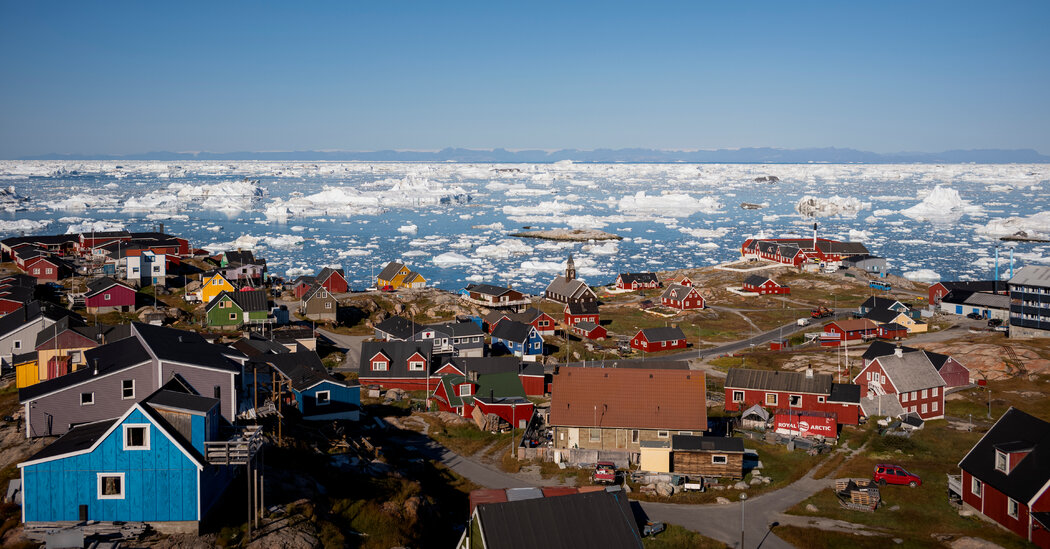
x,y
806,425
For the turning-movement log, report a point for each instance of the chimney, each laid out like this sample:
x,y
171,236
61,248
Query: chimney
x,y
809,372
94,372
898,351
814,236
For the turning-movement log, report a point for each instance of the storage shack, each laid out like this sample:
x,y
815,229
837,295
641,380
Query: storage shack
x,y
707,456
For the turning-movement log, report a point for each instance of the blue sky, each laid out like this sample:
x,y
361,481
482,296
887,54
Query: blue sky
x,y
131,77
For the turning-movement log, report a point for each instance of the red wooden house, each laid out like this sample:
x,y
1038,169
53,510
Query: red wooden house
x,y
911,377
530,373
105,295
938,290
891,331
48,268
1006,476
333,279
581,311
589,330
494,393
763,285
659,339
682,297
543,322
793,392
397,364
839,331
302,285
637,281
952,371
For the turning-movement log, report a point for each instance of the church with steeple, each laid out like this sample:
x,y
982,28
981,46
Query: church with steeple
x,y
569,289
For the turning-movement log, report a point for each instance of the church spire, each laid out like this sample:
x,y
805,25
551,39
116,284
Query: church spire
x,y
570,269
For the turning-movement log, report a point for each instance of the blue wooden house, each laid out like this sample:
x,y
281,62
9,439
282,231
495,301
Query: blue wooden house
x,y
148,465
318,395
517,338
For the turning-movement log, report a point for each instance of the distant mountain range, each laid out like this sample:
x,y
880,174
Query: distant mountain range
x,y
829,155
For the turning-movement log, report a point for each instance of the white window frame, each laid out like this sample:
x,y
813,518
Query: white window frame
x,y
775,399
123,486
1002,457
17,344
821,400
145,437
327,399
925,394
591,432
91,402
793,397
933,392
634,436
904,397
976,487
327,304
417,366
935,406
662,434
924,409
106,297
719,459
736,398
123,388
466,390
380,366
1012,505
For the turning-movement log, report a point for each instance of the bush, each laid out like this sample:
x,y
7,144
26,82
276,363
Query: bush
x,y
892,443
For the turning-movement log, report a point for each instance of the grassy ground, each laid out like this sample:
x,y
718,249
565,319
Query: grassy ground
x,y
676,537
913,514
465,439
813,538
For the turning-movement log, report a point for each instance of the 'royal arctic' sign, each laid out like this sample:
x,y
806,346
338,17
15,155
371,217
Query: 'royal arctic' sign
x,y
806,426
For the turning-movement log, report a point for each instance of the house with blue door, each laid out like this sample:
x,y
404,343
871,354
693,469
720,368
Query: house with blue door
x,y
517,338
318,395
113,470
987,305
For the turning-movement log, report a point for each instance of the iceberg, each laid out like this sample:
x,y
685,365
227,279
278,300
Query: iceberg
x,y
22,225
812,206
670,204
942,205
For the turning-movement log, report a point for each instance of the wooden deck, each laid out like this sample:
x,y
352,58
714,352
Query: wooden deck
x,y
238,450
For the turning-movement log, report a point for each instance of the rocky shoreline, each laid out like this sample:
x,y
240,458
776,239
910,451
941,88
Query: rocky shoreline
x,y
569,235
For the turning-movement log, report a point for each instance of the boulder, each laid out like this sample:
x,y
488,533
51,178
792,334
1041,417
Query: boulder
x,y
740,486
722,501
811,508
755,481
665,489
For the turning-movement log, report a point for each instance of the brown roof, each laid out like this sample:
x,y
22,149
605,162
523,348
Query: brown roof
x,y
855,324
629,398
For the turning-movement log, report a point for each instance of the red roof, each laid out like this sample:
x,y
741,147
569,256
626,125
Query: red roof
x,y
629,398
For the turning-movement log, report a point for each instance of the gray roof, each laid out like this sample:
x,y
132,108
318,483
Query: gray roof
x,y
641,278
495,365
187,347
390,270
881,405
510,330
776,380
457,329
991,301
591,520
882,315
679,291
398,327
586,325
910,372
102,284
844,392
251,300
570,288
314,290
1032,275
665,333
112,357
76,439
756,280
398,352
182,401
583,308
303,368
487,289
707,444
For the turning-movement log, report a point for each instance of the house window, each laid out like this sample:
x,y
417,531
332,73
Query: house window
x,y
18,344
821,400
795,401
935,406
738,396
416,366
464,390
661,434
328,305
87,399
216,392
110,485
719,459
378,366
933,392
924,394
233,316
904,397
106,297
49,270
1011,507
127,389
323,397
536,345
136,437
771,399
634,436
924,407
1001,461
595,435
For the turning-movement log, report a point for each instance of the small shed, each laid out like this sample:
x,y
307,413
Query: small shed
x,y
778,345
655,456
720,457
755,417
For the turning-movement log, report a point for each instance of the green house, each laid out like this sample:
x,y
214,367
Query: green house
x,y
230,310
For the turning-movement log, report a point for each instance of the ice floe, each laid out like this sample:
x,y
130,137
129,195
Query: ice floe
x,y
943,205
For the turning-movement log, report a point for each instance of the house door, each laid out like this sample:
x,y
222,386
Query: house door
x,y
574,437
621,438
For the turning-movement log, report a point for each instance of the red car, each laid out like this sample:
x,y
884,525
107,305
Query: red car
x,y
604,473
387,288
895,474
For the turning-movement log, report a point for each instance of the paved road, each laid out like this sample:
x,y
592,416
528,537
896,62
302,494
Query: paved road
x,y
351,345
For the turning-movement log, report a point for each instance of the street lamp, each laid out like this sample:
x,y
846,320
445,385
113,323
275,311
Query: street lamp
x,y
743,496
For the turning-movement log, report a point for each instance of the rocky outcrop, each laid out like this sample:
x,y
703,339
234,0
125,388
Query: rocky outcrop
x,y
993,362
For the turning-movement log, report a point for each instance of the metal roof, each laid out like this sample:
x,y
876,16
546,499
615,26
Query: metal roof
x,y
1032,275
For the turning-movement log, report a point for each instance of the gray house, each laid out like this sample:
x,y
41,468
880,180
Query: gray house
x,y
459,338
866,262
319,304
121,373
19,329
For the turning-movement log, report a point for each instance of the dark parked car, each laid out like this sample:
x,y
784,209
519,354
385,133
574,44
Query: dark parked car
x,y
895,474
974,316
993,322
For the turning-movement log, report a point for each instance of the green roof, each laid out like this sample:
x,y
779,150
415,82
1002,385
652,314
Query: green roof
x,y
500,385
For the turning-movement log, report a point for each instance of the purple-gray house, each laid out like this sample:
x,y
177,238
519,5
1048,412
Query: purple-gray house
x,y
119,374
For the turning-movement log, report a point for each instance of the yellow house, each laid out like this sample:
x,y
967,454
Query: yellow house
x,y
398,275
26,371
214,285
913,326
60,348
